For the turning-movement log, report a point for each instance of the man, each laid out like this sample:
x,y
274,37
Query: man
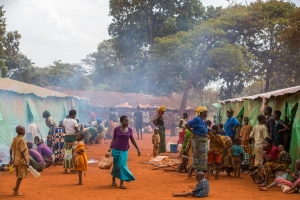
x,y
50,122
270,124
138,119
146,117
231,125
19,157
71,128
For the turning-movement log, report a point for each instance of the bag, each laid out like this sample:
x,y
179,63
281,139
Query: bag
x,y
106,162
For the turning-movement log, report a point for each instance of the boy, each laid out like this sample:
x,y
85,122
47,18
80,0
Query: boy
x,y
245,132
80,157
155,142
45,151
222,132
216,146
259,133
19,157
238,153
284,157
201,189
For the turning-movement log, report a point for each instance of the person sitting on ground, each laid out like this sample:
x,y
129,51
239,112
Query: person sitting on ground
x,y
201,190
45,151
269,162
80,157
222,132
36,160
155,142
259,132
238,153
216,146
284,157
279,130
293,184
19,157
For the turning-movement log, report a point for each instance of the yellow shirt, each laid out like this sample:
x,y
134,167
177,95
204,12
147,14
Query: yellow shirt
x,y
156,139
19,145
216,144
259,133
245,132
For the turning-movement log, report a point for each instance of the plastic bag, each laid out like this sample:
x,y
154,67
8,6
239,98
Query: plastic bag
x,y
106,162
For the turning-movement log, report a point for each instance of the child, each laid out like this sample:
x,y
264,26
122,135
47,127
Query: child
x,y
155,142
201,189
294,184
284,157
208,123
238,153
245,132
80,158
259,133
216,146
222,132
19,157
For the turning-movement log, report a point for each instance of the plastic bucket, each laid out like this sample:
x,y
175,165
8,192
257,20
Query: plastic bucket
x,y
173,148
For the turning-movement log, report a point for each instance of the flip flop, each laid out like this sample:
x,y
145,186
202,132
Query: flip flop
x,y
114,184
18,194
122,187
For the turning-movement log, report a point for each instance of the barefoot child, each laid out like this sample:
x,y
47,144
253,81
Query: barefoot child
x,y
201,189
238,152
216,146
19,157
245,134
80,157
155,142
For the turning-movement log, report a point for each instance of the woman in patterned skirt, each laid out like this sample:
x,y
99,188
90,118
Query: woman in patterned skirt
x,y
159,123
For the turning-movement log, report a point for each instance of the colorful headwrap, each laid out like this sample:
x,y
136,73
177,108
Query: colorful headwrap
x,y
161,109
201,109
99,120
230,110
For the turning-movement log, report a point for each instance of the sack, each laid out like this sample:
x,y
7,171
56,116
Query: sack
x,y
106,162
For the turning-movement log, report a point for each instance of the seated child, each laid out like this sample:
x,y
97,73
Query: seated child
x,y
284,157
294,184
155,142
238,153
216,146
80,158
201,190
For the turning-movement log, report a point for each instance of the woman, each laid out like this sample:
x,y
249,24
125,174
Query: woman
x,y
119,147
199,142
231,125
92,118
159,123
51,123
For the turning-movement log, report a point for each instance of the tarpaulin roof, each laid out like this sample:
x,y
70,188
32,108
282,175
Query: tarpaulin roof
x,y
7,84
266,95
127,100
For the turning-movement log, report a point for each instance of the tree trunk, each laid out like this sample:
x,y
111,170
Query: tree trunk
x,y
184,97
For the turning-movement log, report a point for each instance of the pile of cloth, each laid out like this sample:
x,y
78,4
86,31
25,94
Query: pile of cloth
x,y
163,161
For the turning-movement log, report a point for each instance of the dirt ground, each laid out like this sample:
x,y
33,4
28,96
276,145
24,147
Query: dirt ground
x,y
150,184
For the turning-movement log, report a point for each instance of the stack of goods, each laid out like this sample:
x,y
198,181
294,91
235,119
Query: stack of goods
x,y
106,162
163,161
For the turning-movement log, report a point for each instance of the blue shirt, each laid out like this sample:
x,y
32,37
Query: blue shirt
x,y
229,125
202,188
198,125
237,150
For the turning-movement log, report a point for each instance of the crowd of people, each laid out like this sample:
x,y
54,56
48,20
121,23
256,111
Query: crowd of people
x,y
209,147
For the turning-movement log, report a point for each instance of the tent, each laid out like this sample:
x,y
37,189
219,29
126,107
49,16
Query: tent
x,y
286,100
22,103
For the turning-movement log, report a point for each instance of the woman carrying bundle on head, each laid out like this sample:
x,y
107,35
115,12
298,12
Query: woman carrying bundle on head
x,y
159,123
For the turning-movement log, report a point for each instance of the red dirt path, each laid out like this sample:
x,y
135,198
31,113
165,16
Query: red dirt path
x,y
150,184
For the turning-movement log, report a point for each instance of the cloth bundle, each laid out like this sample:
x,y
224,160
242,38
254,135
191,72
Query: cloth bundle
x,y
106,162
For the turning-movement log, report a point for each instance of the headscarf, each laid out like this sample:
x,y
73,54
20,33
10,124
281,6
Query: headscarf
x,y
32,129
99,120
201,109
161,109
93,115
230,110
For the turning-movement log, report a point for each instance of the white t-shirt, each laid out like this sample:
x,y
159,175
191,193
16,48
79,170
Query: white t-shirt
x,y
70,125
146,117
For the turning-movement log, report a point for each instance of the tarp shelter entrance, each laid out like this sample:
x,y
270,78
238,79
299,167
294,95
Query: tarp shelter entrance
x,y
21,104
286,100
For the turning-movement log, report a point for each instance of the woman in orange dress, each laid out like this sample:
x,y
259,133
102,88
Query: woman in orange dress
x,y
80,158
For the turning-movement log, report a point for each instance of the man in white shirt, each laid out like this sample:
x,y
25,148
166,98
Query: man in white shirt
x,y
146,117
71,129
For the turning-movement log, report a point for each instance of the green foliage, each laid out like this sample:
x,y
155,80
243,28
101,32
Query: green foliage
x,y
3,69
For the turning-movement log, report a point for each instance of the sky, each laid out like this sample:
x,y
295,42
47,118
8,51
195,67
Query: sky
x,y
66,30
